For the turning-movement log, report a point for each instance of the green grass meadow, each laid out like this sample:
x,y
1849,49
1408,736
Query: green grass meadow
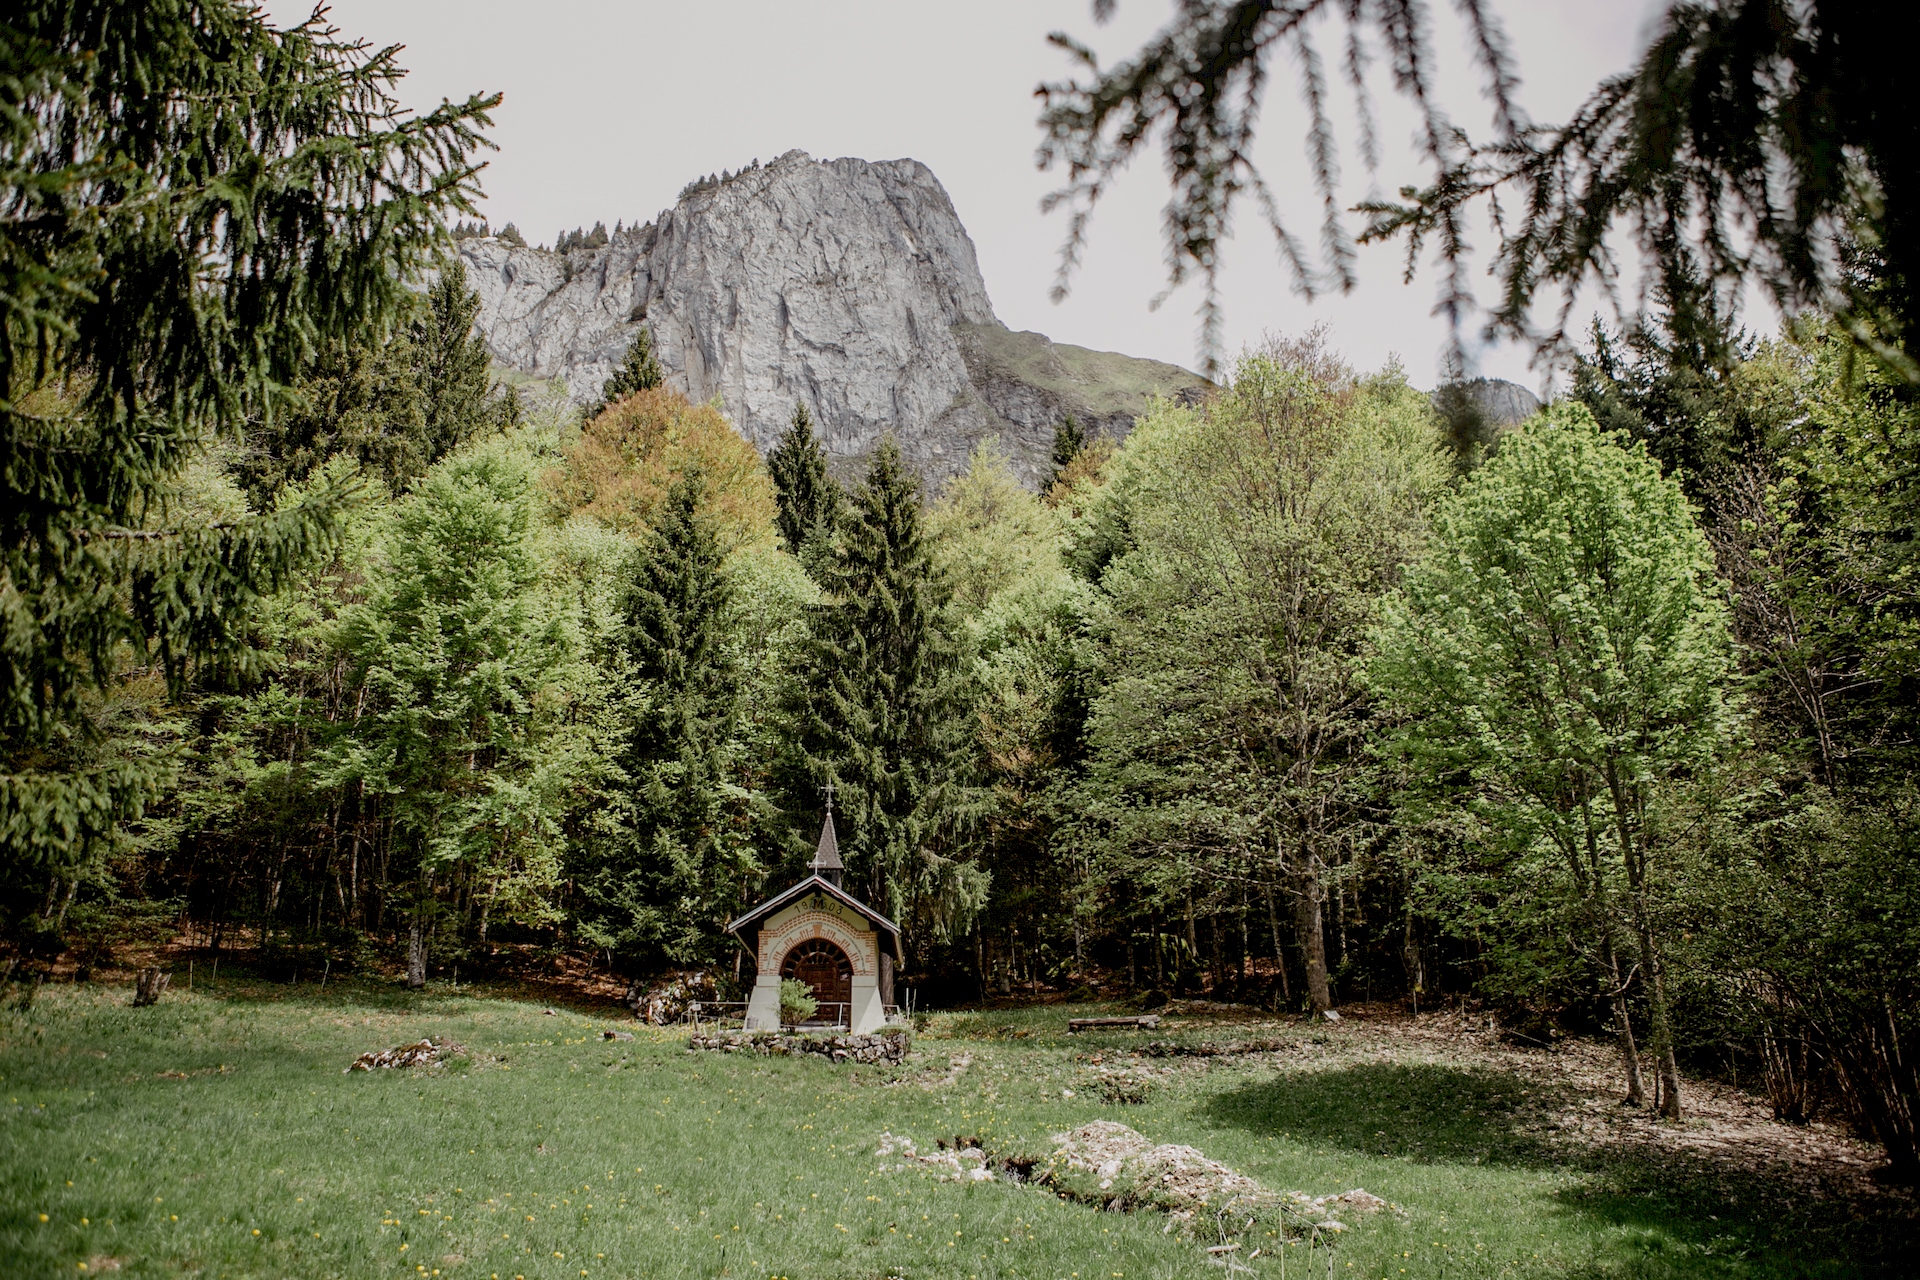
x,y
215,1135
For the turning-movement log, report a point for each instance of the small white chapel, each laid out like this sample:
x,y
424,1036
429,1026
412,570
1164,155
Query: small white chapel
x,y
817,933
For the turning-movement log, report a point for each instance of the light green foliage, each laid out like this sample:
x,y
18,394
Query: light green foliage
x,y
1242,552
880,707
796,1001
1021,612
1561,659
774,598
458,650
989,535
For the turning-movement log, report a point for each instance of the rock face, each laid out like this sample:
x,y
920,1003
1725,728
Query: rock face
x,y
845,285
1492,403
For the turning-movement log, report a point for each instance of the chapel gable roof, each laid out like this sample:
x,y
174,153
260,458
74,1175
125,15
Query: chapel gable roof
x,y
749,923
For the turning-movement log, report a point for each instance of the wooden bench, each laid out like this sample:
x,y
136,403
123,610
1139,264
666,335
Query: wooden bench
x,y
1145,1022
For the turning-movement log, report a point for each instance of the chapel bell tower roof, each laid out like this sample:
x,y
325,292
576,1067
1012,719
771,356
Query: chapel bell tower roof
x,y
826,859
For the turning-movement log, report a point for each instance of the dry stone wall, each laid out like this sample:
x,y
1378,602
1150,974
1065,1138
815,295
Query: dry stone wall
x,y
890,1045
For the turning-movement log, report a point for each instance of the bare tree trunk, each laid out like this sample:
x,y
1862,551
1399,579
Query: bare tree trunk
x,y
1340,922
417,949
1279,952
1410,956
1623,1022
1245,947
1313,943
73,887
1216,962
1667,1099
1193,939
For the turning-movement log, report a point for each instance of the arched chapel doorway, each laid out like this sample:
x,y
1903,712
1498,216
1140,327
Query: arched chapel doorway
x,y
825,968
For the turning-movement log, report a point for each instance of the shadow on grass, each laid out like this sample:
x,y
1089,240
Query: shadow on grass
x,y
1693,1214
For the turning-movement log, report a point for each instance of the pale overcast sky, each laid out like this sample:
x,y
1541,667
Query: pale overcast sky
x,y
612,107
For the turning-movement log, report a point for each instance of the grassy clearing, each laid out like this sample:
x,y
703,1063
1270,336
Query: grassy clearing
x,y
216,1135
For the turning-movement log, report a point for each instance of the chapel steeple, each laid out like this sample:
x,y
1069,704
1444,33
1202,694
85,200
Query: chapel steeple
x,y
826,859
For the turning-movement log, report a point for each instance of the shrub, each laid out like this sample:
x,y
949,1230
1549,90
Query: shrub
x,y
796,1001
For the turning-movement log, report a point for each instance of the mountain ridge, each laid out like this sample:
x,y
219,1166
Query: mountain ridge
x,y
848,285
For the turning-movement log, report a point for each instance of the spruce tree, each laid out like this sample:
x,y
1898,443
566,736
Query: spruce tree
x,y
884,715
171,257
397,407
661,886
639,371
453,366
808,500
1068,441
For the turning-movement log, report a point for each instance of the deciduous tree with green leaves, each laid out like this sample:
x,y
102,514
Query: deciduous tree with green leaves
x,y
461,655
1560,661
1228,734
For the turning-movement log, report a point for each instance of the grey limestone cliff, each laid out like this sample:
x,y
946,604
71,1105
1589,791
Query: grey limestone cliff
x,y
845,284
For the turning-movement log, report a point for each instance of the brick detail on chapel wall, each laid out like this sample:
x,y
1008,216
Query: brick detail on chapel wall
x,y
860,945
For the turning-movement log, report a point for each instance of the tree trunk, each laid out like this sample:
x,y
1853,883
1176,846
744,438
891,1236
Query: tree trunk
x,y
417,950
1416,969
73,887
1313,943
1629,1052
1279,952
1193,939
1216,962
1668,1098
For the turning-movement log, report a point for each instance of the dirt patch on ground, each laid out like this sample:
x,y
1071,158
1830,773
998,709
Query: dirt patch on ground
x,y
1576,1086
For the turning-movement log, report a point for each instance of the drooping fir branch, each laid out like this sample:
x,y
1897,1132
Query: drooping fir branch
x,y
192,203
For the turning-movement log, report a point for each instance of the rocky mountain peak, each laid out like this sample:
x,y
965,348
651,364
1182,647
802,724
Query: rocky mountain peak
x,y
848,285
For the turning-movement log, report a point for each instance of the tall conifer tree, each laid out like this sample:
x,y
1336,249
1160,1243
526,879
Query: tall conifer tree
x,y
883,712
809,500
195,198
663,885
1068,441
638,371
397,407
452,363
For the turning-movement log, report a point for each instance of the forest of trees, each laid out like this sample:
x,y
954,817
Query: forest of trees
x,y
320,646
